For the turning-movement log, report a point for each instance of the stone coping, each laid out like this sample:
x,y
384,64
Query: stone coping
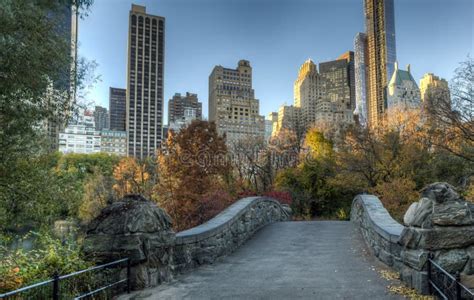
x,y
379,217
223,220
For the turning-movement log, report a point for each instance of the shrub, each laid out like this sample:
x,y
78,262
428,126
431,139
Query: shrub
x,y
282,197
397,195
20,268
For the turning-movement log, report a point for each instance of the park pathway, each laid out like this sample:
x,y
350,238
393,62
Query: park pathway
x,y
286,260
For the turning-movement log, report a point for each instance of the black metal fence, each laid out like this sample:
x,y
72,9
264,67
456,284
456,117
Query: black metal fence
x,y
99,282
445,285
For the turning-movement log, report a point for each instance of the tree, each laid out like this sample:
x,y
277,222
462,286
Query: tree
x,y
35,59
98,192
134,177
192,167
454,116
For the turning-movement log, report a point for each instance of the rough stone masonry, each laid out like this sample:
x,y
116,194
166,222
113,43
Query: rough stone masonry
x,y
136,228
440,223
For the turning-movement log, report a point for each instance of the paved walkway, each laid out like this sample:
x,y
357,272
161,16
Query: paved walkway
x,y
286,260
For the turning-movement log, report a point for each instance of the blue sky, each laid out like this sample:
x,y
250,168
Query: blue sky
x,y
276,36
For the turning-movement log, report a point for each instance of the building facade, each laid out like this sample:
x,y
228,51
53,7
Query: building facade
x,y
339,104
67,20
289,118
273,118
189,114
117,109
380,55
403,92
178,105
113,142
310,89
80,136
434,92
360,111
145,72
232,103
101,118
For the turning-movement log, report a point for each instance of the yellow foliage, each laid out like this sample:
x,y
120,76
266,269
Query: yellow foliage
x,y
396,195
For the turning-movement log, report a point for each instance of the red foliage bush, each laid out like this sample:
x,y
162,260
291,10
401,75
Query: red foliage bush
x,y
282,197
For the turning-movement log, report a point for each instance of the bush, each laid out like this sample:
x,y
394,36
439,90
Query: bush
x,y
282,197
20,268
397,196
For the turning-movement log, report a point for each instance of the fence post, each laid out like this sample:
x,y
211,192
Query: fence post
x,y
128,275
458,287
55,286
430,256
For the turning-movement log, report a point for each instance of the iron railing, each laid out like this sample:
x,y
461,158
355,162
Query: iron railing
x,y
445,285
99,282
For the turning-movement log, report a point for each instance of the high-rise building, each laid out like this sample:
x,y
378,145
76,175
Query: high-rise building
x,y
268,129
178,104
232,103
360,111
80,135
340,90
403,92
117,109
67,20
113,142
101,118
434,92
189,115
288,119
310,88
144,82
273,118
380,55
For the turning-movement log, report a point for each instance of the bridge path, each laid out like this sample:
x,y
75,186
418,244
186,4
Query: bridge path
x,y
286,260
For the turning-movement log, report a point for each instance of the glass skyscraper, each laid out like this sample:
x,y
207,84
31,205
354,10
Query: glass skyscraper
x,y
380,55
360,111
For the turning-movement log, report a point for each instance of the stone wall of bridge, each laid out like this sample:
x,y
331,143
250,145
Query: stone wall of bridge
x,y
440,224
136,228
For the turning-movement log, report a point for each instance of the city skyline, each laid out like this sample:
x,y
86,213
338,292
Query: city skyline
x,y
272,62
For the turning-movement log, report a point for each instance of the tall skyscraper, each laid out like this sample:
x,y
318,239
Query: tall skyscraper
x,y
117,108
178,104
360,110
380,55
67,21
310,88
144,118
101,118
341,85
232,103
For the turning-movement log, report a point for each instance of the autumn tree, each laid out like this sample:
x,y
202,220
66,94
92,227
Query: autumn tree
x,y
134,177
98,193
454,115
194,173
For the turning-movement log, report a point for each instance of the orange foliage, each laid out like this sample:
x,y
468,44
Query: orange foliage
x,y
193,172
132,178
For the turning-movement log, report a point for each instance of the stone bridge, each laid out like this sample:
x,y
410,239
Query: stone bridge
x,y
253,251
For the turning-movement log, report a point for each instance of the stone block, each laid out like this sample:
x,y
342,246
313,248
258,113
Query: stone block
x,y
386,257
419,214
453,260
415,259
452,213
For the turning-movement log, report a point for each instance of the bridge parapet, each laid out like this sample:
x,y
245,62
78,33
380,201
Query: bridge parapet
x,y
226,232
135,227
440,224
